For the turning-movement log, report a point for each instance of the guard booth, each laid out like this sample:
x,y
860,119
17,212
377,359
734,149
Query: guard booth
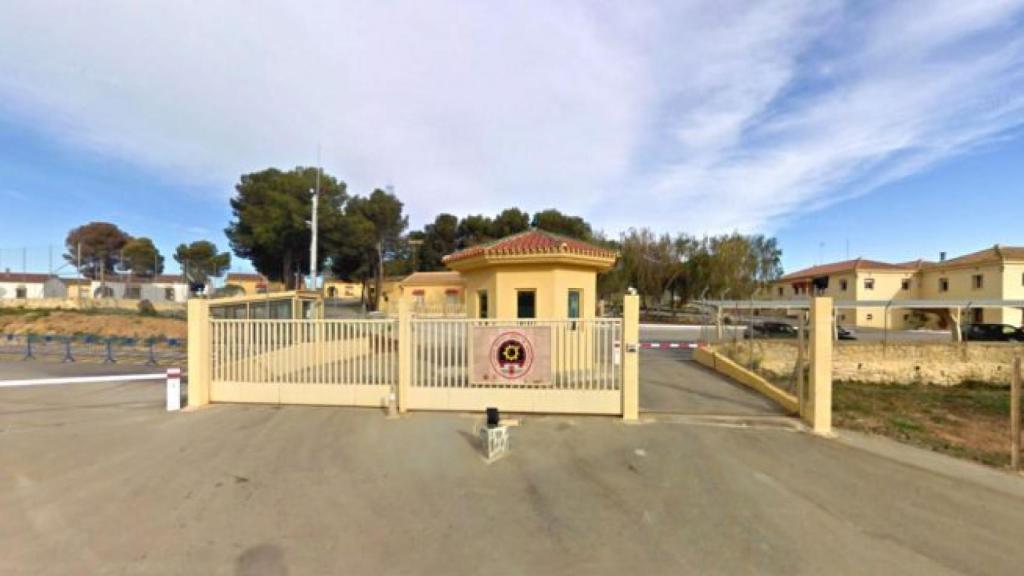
x,y
293,305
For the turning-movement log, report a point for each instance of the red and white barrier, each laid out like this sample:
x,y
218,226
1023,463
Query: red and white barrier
x,y
670,345
173,389
172,377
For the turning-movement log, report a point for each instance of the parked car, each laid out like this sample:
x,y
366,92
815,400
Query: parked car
x,y
771,330
845,333
993,333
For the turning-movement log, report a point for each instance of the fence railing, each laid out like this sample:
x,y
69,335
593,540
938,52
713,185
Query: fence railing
x,y
92,348
584,354
359,352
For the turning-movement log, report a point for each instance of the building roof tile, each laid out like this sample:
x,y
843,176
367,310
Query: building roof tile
x,y
26,277
846,266
532,241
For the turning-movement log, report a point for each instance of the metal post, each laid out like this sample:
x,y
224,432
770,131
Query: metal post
x,y
1015,415
151,361
110,352
67,351
28,348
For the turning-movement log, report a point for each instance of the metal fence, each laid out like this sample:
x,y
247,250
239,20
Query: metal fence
x,y
335,352
93,348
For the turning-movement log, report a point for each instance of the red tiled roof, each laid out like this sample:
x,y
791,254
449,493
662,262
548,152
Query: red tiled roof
x,y
996,253
845,266
532,241
433,279
244,277
23,277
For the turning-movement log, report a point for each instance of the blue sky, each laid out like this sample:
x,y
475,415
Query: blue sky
x,y
893,127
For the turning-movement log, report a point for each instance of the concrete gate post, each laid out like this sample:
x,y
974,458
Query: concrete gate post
x,y
818,411
404,354
199,352
631,357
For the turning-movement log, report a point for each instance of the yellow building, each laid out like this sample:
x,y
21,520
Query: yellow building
x,y
435,293
534,274
251,284
995,273
339,289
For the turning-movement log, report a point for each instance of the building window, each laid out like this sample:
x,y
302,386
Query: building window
x,y
978,281
21,293
843,285
574,303
977,315
132,292
419,297
332,292
905,285
842,317
906,317
169,294
481,304
871,316
943,284
452,298
526,304
869,283
780,291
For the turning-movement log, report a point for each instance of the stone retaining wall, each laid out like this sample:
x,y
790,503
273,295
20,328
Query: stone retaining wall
x,y
903,363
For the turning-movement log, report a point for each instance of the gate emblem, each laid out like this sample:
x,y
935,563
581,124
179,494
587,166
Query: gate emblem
x,y
512,355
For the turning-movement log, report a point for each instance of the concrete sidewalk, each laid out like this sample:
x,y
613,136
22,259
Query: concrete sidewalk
x,y
98,479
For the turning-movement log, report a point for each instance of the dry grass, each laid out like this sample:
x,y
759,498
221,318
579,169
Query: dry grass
x,y
100,323
968,421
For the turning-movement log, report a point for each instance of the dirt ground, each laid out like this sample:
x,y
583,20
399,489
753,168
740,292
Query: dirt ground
x,y
968,421
100,323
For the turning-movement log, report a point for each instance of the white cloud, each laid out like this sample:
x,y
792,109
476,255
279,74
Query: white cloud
x,y
702,116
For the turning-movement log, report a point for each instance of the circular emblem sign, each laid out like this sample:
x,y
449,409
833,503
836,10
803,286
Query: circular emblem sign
x,y
512,355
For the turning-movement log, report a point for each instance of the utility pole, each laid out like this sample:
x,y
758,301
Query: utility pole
x,y
313,224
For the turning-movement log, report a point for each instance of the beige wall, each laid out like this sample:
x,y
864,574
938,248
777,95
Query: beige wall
x,y
435,299
961,288
551,285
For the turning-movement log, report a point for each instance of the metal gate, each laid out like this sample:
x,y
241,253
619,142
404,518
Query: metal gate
x,y
332,362
581,360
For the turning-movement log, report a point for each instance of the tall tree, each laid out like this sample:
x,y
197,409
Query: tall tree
x,y
510,221
99,244
271,212
371,233
555,221
141,257
474,229
200,261
440,238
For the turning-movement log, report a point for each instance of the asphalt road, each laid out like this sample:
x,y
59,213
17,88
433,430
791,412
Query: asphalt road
x,y
670,381
98,479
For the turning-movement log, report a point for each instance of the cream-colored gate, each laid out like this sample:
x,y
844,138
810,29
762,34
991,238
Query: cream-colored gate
x,y
575,366
332,362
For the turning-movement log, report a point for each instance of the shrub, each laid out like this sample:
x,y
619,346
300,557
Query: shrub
x,y
146,308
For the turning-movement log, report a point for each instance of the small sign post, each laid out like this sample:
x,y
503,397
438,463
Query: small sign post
x,y
173,389
1015,415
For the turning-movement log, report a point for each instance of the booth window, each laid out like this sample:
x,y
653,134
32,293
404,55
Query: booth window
x,y
574,303
481,304
526,304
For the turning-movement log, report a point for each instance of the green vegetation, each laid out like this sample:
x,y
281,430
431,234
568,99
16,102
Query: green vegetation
x,y
968,421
